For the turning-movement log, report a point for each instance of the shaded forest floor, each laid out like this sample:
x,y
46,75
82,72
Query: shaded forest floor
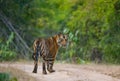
x,y
64,72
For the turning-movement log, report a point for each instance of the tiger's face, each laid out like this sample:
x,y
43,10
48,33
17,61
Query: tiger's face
x,y
62,40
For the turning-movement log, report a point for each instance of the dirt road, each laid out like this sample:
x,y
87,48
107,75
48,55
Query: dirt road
x,y
71,72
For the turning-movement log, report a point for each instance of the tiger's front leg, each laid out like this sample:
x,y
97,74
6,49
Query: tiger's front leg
x,y
50,66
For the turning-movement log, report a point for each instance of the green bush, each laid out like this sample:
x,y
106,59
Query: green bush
x,y
4,77
88,23
5,52
7,77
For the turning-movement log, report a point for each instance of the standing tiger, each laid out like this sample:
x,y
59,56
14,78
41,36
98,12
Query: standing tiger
x,y
47,49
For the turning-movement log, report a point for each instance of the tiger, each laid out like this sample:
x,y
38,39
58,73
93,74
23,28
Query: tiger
x,y
47,49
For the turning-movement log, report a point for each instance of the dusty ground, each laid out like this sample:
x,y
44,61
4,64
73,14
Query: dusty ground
x,y
70,72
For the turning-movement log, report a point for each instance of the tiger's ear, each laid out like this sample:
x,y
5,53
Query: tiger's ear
x,y
60,33
66,36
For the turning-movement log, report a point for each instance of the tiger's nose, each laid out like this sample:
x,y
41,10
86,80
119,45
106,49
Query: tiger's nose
x,y
65,44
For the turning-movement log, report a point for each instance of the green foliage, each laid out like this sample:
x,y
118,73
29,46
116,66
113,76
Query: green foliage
x,y
94,24
5,52
4,77
88,23
7,77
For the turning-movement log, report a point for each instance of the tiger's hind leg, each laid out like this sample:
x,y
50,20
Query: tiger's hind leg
x,y
35,58
35,66
44,67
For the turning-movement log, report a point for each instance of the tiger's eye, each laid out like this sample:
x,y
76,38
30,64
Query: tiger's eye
x,y
63,36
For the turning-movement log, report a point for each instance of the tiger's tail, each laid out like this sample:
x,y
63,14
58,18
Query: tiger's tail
x,y
33,56
36,54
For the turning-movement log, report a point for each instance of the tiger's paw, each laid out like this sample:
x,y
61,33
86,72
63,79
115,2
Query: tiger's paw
x,y
34,72
44,72
51,71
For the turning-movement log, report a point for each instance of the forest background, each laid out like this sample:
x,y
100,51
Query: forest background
x,y
93,27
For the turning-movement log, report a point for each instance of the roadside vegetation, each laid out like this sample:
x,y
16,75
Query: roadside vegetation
x,y
93,27
14,74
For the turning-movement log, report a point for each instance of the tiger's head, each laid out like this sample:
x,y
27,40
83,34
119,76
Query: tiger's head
x,y
62,40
